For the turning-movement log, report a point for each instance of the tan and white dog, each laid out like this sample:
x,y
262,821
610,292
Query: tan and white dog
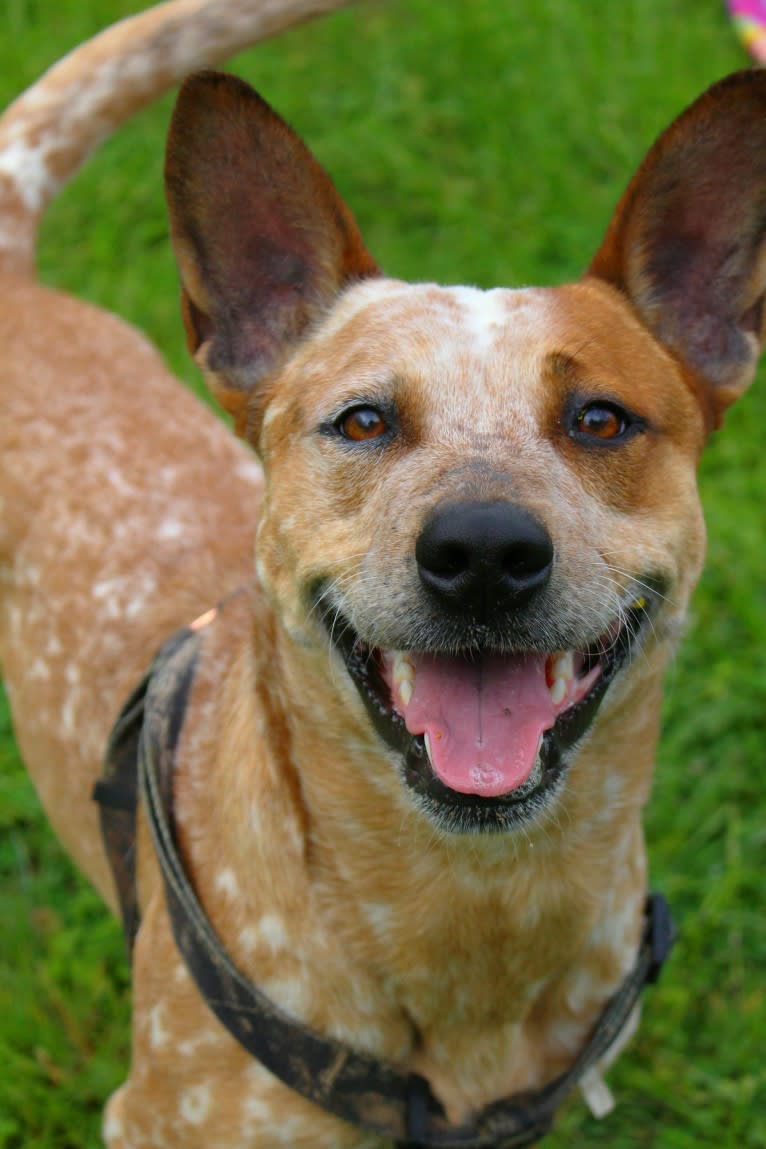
x,y
411,773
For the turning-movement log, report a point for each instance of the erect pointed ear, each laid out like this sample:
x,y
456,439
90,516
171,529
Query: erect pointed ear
x,y
687,243
264,242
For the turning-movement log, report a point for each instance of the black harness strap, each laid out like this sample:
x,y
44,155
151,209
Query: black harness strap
x,y
359,1089
116,791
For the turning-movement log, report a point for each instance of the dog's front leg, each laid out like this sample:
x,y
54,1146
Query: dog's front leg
x,y
191,1085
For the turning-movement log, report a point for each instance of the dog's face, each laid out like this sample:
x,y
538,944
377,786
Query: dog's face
x,y
469,492
483,503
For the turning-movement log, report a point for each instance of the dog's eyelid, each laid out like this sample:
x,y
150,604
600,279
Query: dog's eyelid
x,y
382,403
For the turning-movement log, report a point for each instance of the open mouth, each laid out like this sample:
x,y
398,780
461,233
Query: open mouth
x,y
485,736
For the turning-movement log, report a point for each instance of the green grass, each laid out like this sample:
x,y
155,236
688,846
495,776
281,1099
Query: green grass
x,y
481,142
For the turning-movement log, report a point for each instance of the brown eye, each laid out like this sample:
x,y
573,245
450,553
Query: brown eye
x,y
362,424
602,421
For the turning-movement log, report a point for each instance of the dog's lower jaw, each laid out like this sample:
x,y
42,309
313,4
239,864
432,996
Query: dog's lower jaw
x,y
526,710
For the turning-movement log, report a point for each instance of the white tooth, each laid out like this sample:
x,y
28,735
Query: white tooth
x,y
405,691
559,691
402,670
563,665
427,741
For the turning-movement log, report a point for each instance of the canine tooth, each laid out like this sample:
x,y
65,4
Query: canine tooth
x,y
405,690
559,691
427,741
563,665
402,669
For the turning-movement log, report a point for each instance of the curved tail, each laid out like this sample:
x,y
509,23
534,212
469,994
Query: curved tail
x,y
49,131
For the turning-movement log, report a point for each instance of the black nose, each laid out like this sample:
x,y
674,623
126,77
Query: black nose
x,y
483,557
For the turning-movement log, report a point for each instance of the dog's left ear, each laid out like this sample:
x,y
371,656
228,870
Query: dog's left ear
x,y
264,242
687,244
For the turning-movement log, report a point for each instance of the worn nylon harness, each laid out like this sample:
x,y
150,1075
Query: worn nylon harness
x,y
353,1086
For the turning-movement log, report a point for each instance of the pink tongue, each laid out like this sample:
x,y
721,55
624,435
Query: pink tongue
x,y
484,719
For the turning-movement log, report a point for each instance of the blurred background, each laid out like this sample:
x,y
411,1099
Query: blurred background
x,y
482,142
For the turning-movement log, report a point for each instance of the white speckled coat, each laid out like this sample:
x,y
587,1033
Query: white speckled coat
x,y
126,510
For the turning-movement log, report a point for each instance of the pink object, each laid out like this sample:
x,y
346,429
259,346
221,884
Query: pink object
x,y
485,718
749,18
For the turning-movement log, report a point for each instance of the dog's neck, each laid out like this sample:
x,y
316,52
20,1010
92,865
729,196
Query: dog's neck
x,y
484,959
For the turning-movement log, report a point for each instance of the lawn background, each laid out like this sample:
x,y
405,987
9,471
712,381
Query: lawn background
x,y
480,141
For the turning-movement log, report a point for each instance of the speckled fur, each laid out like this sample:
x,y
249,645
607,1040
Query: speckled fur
x,y
126,509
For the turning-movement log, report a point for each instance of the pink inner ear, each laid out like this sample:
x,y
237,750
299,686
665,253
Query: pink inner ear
x,y
693,286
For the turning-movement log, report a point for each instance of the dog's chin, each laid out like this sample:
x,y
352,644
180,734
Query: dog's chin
x,y
484,738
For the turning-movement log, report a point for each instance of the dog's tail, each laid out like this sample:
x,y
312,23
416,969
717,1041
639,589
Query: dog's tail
x,y
48,132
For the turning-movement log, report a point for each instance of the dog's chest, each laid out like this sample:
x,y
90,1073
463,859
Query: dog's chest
x,y
482,974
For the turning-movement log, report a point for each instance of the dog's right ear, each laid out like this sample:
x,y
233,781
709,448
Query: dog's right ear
x,y
687,243
263,241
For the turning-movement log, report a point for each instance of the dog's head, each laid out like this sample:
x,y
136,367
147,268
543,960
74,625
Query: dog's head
x,y
484,503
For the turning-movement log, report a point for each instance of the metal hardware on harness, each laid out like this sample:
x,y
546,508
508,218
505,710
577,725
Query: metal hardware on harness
x,y
362,1090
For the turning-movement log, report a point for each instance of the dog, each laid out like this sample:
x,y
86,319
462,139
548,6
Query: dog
x,y
416,746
